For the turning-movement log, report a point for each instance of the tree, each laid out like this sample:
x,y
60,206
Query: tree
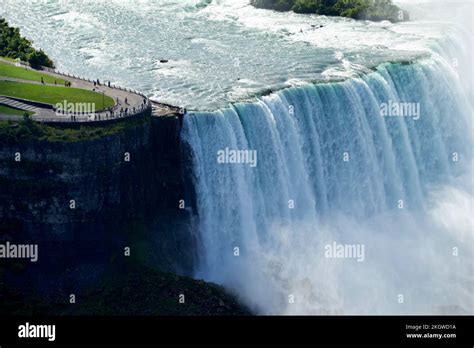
x,y
13,45
39,58
358,9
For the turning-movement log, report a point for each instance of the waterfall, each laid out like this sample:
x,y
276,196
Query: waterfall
x,y
333,169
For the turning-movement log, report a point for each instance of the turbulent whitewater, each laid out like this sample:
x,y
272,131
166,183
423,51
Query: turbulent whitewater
x,y
335,170
304,98
217,51
332,169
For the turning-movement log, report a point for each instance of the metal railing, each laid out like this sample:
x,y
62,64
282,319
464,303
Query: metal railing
x,y
88,118
85,116
101,116
65,74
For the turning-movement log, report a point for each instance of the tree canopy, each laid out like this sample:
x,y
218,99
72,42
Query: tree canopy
x,y
375,10
13,45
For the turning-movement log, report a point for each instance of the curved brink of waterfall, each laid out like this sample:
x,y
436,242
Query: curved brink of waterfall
x,y
332,169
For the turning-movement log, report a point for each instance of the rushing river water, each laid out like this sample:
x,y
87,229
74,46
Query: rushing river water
x,y
328,170
218,51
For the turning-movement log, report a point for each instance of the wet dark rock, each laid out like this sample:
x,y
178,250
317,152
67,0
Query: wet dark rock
x,y
118,204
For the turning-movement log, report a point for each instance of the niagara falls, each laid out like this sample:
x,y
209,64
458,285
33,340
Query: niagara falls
x,y
290,158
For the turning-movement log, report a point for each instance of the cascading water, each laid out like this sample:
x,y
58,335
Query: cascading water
x,y
329,167
332,169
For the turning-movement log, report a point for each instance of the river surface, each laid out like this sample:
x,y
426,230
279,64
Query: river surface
x,y
327,170
218,51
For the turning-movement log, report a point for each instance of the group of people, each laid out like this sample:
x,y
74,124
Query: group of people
x,y
110,114
97,83
66,83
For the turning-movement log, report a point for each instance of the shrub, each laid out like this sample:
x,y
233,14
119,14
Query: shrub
x,y
13,45
358,9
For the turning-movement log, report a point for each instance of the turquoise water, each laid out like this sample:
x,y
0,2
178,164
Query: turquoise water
x,y
329,167
303,195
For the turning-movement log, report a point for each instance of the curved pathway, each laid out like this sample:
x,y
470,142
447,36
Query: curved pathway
x,y
124,100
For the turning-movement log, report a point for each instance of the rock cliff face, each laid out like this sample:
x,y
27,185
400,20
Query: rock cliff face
x,y
84,203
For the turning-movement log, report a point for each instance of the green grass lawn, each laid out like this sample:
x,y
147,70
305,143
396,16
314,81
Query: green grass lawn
x,y
53,95
8,70
11,111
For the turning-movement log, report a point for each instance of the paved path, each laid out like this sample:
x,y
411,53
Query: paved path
x,y
133,100
13,79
